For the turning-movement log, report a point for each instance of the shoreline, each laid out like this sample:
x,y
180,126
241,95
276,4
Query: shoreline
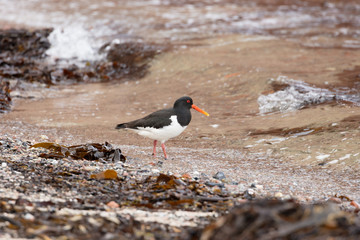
x,y
67,190
295,173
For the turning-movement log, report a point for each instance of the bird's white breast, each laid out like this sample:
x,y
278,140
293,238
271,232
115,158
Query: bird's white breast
x,y
162,134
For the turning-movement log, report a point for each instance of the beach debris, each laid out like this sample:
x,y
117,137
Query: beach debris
x,y
59,198
278,219
23,57
89,151
109,174
5,98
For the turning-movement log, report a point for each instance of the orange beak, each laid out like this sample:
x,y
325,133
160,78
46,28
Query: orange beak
x,y
199,110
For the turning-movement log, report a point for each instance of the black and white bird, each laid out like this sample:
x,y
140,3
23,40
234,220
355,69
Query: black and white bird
x,y
164,124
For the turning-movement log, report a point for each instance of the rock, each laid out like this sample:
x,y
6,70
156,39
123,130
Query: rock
x,y
257,186
112,204
355,204
186,176
213,184
249,194
117,156
90,168
94,222
44,137
29,217
278,195
179,182
333,162
196,175
219,176
155,170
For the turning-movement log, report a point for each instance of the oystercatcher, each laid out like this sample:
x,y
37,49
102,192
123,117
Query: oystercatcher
x,y
164,124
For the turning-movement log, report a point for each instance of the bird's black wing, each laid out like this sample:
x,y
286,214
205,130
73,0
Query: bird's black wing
x,y
157,119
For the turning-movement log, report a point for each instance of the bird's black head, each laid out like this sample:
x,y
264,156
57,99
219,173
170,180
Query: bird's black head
x,y
182,102
187,103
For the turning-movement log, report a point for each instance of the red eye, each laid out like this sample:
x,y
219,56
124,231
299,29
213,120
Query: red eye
x,y
188,101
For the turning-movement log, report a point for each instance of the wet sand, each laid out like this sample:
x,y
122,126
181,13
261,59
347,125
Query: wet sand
x,y
225,76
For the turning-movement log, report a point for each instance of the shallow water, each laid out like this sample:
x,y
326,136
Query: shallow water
x,y
312,23
82,27
224,54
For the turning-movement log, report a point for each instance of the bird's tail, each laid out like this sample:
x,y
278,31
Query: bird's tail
x,y
119,126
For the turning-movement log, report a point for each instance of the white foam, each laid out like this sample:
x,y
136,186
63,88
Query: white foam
x,y
256,21
296,96
75,38
72,44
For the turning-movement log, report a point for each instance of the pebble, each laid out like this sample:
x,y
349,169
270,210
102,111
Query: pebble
x,y
94,222
257,186
155,170
76,218
82,228
213,184
3,164
219,176
278,195
177,175
355,204
196,175
186,175
112,219
89,168
249,194
333,162
29,217
53,161
179,182
112,204
44,137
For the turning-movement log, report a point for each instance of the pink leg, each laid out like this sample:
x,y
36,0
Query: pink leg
x,y
154,151
163,148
